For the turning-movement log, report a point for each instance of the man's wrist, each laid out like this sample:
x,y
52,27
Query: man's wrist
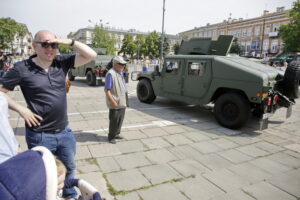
x,y
72,42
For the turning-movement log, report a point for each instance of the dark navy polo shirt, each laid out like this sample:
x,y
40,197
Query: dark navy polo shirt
x,y
44,92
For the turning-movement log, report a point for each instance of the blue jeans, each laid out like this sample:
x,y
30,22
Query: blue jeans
x,y
63,145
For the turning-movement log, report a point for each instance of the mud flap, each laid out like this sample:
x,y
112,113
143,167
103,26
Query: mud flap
x,y
288,112
264,121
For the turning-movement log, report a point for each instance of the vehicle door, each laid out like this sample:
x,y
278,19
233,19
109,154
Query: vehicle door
x,y
172,77
197,78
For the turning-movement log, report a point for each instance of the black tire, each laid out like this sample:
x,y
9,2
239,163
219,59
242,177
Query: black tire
x,y
70,76
145,91
232,110
91,78
291,80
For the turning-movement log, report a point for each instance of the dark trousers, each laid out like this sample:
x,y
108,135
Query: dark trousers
x,y
116,117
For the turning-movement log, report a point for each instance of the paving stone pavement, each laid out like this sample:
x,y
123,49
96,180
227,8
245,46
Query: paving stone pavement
x,y
176,151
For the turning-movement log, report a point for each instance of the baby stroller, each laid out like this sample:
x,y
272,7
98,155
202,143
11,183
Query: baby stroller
x,y
32,175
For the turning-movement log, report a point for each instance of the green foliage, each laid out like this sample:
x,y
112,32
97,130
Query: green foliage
x,y
152,45
9,28
235,47
290,33
176,48
102,39
64,49
141,45
166,46
129,47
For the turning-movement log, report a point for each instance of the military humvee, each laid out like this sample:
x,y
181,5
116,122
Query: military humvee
x,y
201,73
94,71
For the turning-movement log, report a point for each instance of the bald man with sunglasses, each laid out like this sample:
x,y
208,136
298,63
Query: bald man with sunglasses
x,y
42,80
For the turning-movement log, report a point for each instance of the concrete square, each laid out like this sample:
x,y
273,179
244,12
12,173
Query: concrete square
x,y
162,192
270,166
188,167
224,143
185,152
214,162
206,147
160,156
154,132
226,180
198,188
82,152
252,150
174,129
157,174
133,135
235,195
133,160
131,146
196,136
127,180
129,196
156,143
103,150
285,159
108,164
264,191
235,156
177,139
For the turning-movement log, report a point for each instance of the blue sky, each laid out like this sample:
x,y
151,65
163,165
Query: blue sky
x,y
64,16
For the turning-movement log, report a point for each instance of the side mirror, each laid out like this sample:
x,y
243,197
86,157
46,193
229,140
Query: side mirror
x,y
135,75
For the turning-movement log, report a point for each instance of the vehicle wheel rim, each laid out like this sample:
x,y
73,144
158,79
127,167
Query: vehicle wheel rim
x,y
230,111
143,91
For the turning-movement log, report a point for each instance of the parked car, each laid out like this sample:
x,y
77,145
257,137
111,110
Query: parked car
x,y
279,60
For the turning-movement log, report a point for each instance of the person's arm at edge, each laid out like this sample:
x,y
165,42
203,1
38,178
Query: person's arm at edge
x,y
84,53
30,118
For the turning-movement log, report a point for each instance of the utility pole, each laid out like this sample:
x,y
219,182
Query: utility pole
x,y
162,33
262,38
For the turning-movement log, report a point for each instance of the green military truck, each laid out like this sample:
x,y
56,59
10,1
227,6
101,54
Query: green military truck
x,y
201,74
94,71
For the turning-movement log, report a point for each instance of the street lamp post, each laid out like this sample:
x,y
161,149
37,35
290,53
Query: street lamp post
x,y
162,33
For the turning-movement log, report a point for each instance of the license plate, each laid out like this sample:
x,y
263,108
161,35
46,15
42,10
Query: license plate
x,y
267,115
263,124
288,112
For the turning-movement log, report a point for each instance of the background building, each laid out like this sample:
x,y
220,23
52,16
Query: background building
x,y
85,35
257,36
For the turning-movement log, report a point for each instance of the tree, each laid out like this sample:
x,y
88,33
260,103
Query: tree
x,y
235,47
141,47
129,47
152,45
176,48
9,28
64,49
102,39
166,46
290,33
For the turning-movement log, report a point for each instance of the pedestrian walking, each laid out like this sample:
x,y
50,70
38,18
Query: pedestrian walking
x,y
116,97
42,80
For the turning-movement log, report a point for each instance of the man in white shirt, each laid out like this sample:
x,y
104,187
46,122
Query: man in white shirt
x,y
8,142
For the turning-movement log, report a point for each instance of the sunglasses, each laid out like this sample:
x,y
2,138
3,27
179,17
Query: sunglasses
x,y
122,64
47,44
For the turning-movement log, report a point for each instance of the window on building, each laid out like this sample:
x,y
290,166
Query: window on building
x,y
257,30
274,46
172,67
275,27
266,44
267,29
196,68
222,33
249,32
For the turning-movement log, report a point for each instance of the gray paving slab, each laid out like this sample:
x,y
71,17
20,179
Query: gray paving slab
x,y
235,156
103,150
174,129
185,151
224,143
244,139
133,135
293,147
285,159
250,172
108,164
196,136
154,132
160,156
253,151
226,180
198,188
189,167
132,160
288,182
156,143
129,196
177,139
162,192
161,173
235,195
214,162
266,146
83,152
270,165
206,147
131,146
87,168
265,191
127,180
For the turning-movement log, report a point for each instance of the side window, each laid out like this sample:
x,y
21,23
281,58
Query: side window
x,y
172,67
196,68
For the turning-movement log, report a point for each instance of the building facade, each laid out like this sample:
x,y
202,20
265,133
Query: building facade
x,y
85,35
257,36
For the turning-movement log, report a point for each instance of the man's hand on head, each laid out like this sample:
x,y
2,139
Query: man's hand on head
x,y
30,118
60,40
